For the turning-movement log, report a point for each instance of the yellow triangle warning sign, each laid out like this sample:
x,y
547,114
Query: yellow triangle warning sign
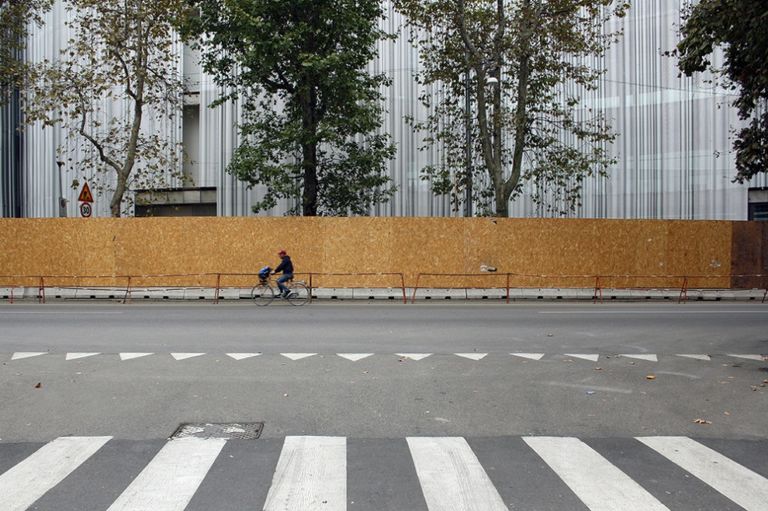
x,y
85,194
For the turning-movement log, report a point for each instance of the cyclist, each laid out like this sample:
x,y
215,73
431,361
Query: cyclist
x,y
285,266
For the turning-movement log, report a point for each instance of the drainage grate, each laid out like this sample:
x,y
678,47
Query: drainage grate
x,y
230,430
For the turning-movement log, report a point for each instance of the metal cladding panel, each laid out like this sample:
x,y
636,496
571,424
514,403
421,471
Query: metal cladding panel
x,y
673,148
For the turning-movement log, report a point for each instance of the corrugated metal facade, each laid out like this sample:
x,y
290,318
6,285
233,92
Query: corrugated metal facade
x,y
673,149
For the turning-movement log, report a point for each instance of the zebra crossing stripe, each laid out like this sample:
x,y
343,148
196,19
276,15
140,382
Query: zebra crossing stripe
x,y
311,474
26,482
743,486
451,476
172,477
596,481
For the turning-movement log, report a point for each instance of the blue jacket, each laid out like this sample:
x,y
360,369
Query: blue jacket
x,y
286,266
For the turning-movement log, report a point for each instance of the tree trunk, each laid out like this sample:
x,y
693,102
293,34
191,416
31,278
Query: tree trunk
x,y
309,151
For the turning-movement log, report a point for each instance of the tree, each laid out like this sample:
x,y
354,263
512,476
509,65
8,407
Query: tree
x,y
311,109
120,57
526,126
15,19
737,27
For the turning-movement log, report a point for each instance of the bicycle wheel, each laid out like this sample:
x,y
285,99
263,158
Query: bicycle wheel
x,y
262,294
299,293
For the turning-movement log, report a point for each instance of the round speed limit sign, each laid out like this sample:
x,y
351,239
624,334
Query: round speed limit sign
x,y
85,209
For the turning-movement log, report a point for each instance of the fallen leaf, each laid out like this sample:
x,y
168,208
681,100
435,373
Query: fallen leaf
x,y
726,413
650,377
39,385
598,368
702,421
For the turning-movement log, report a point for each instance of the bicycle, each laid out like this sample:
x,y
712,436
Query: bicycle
x,y
264,292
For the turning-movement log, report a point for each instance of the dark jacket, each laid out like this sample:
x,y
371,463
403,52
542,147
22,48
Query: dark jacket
x,y
286,266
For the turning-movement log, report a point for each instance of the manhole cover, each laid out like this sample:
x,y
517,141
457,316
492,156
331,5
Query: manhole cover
x,y
230,430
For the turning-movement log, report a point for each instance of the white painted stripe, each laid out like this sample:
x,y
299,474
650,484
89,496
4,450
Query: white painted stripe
x,y
131,356
75,356
532,356
472,356
297,356
648,357
740,484
27,354
311,474
172,477
750,357
184,356
451,476
29,480
413,356
583,356
354,357
242,356
695,356
655,312
597,482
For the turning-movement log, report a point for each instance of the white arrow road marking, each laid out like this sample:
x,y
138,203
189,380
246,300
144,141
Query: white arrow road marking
x,y
583,356
595,480
297,356
184,356
242,356
27,354
749,357
311,474
172,477
649,357
695,356
74,356
743,486
26,482
413,356
451,477
472,356
131,356
532,356
354,357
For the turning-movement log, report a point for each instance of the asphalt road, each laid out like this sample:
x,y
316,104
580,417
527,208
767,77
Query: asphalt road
x,y
376,374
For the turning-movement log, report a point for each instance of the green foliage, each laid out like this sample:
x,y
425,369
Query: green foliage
x,y
312,112
738,28
529,126
15,19
118,69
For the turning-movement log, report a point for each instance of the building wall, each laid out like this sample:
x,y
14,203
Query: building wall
x,y
673,149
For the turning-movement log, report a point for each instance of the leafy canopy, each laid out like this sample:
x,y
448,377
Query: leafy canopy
x,y
738,28
311,110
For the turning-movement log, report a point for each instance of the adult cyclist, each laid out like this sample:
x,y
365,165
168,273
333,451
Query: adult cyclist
x,y
285,266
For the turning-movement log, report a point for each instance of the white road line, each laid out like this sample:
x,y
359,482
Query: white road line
x,y
297,356
675,312
170,480
75,356
27,354
354,357
695,356
311,474
184,356
472,356
584,356
413,356
242,356
743,486
532,356
597,482
29,480
649,357
750,357
131,356
451,476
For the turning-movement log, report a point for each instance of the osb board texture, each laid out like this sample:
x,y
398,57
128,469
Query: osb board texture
x,y
540,252
749,255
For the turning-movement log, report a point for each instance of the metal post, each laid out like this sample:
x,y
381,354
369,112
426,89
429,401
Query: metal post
x,y
62,200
